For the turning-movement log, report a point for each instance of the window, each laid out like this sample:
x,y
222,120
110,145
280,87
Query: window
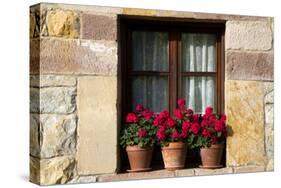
x,y
163,61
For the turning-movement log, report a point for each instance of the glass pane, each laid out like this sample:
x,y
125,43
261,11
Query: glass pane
x,y
150,91
198,52
150,51
199,92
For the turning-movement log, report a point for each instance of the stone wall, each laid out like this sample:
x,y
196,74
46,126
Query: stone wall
x,y
74,100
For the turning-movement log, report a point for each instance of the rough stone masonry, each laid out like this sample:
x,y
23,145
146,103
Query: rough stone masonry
x,y
73,79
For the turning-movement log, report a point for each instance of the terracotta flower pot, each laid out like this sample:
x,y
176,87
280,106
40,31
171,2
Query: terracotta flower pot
x,y
211,157
174,155
139,158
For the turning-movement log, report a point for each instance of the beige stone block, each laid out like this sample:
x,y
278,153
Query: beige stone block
x,y
83,179
52,81
136,176
63,23
203,172
245,112
97,126
96,57
139,12
34,56
248,169
185,172
58,170
248,35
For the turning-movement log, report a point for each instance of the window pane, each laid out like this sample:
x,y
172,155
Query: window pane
x,y
150,91
198,52
199,92
150,51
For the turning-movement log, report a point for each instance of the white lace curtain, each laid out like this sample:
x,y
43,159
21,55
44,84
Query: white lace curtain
x,y
199,55
150,53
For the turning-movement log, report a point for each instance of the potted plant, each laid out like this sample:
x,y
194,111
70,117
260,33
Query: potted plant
x,y
211,139
138,137
172,134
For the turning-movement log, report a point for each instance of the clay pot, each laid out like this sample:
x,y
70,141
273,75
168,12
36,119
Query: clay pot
x,y
211,157
139,158
174,155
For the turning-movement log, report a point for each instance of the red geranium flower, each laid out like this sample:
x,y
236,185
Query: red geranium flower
x,y
139,108
223,117
175,135
170,122
178,113
164,114
209,110
161,135
181,102
142,133
131,117
189,111
147,114
195,118
184,133
219,126
186,125
195,128
206,133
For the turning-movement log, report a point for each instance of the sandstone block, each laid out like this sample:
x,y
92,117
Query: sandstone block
x,y
246,118
97,130
248,35
61,100
250,65
98,27
63,23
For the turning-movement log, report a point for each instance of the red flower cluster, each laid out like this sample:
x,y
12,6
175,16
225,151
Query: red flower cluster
x,y
131,118
213,126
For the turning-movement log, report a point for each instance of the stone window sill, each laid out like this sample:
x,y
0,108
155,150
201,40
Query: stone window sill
x,y
166,174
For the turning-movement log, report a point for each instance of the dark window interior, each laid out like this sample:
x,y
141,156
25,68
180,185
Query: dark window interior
x,y
165,59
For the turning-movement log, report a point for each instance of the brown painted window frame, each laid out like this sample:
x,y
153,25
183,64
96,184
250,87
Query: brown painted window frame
x,y
174,26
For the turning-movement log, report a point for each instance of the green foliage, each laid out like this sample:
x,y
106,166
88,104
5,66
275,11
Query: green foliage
x,y
130,133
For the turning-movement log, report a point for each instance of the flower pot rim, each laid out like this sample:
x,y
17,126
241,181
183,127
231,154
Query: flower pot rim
x,y
174,145
137,148
213,146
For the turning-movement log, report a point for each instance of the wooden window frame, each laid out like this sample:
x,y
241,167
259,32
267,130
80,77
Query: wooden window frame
x,y
174,27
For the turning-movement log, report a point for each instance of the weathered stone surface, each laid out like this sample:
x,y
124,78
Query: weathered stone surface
x,y
97,130
58,170
63,23
248,169
52,80
245,111
34,100
59,100
203,172
32,24
57,135
250,65
269,98
34,56
185,172
248,35
136,176
101,10
139,12
97,27
83,179
34,136
270,165
269,143
78,57
269,113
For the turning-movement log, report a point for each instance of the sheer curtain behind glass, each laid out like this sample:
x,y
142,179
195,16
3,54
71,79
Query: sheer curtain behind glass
x,y
150,53
199,55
